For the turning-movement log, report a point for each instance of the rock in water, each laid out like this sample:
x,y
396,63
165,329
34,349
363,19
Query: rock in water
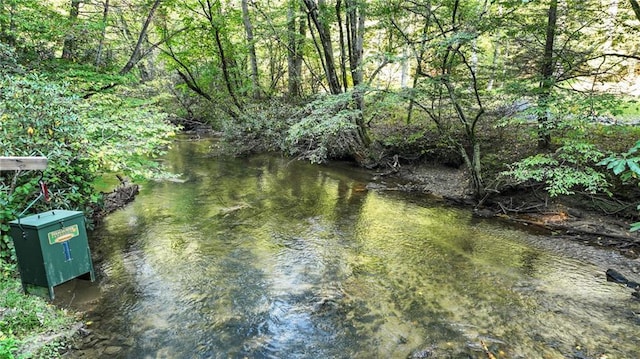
x,y
112,350
615,276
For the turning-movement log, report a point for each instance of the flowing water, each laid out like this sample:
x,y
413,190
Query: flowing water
x,y
264,257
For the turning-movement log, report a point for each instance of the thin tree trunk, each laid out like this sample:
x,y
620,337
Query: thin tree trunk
x,y
355,21
105,14
208,8
225,68
404,69
355,37
295,42
135,55
69,46
302,33
186,74
636,8
324,33
494,65
343,56
248,28
547,80
293,80
411,100
472,161
320,57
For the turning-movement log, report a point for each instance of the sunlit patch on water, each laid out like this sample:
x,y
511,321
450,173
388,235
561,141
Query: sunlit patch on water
x,y
265,258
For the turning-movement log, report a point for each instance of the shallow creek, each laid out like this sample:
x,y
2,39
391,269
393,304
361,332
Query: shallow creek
x,y
264,257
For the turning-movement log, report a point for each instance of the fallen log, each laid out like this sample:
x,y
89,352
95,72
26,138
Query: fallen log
x,y
114,200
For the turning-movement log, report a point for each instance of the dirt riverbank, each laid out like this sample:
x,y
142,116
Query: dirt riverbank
x,y
559,217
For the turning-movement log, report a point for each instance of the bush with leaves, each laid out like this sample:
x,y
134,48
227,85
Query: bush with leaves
x,y
574,164
569,168
627,166
325,129
8,346
38,118
80,138
261,128
8,60
127,134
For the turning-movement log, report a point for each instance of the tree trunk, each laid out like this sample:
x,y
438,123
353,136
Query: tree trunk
x,y
225,67
636,8
295,39
404,68
248,28
294,48
343,51
547,80
355,39
494,65
472,161
69,46
226,62
298,58
319,22
135,55
105,14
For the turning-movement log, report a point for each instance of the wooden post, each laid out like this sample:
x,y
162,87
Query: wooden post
x,y
22,163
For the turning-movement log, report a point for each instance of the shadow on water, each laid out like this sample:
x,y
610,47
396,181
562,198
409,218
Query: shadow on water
x,y
265,258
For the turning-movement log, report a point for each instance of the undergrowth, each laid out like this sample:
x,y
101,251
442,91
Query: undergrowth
x,y
23,318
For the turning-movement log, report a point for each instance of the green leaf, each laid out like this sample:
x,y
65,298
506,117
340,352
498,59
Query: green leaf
x,y
633,166
619,166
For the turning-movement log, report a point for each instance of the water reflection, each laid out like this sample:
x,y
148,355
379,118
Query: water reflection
x,y
266,258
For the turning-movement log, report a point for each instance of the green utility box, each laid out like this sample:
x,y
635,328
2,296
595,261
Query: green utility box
x,y
51,248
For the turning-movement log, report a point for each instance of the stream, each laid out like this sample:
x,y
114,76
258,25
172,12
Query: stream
x,y
265,257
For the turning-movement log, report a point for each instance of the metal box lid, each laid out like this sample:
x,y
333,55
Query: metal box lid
x,y
44,219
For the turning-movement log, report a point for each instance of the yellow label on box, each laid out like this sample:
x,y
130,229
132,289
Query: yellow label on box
x,y
64,234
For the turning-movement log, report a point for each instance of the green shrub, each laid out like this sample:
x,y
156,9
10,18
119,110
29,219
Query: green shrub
x,y
79,137
8,346
262,128
325,129
38,118
126,134
571,167
627,166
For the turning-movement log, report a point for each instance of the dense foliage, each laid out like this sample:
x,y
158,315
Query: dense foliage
x,y
39,119
81,138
